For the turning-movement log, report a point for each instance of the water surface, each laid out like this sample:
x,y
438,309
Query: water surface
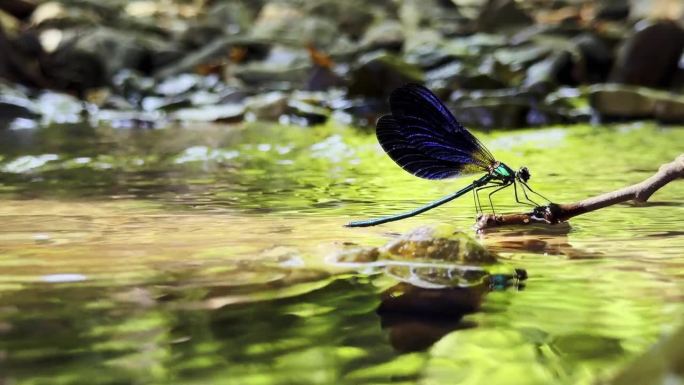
x,y
195,255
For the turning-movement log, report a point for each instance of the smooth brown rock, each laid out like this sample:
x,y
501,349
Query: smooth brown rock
x,y
650,57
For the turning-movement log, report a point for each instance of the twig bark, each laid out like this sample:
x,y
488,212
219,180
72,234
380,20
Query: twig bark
x,y
555,213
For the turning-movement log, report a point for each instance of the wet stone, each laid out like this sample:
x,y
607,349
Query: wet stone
x,y
322,78
231,17
523,56
493,113
352,16
15,107
477,81
179,84
280,21
443,243
132,85
378,74
269,106
612,101
281,69
59,108
427,49
597,57
386,35
9,23
650,57
121,49
306,114
357,254
612,10
509,108
559,68
118,118
56,13
498,15
227,113
151,103
360,113
445,72
21,9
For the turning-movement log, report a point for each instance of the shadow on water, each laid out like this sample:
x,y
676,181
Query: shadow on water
x,y
417,317
536,239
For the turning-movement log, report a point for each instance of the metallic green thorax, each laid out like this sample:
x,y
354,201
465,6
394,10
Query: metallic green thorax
x,y
502,170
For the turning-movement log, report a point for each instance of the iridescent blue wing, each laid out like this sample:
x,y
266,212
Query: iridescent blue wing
x,y
407,155
425,139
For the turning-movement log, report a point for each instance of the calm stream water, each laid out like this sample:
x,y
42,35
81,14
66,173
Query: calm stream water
x,y
198,256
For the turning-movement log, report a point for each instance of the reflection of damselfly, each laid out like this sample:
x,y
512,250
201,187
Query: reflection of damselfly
x,y
436,276
425,139
444,276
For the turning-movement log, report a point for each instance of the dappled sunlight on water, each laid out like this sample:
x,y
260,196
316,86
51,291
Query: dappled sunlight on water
x,y
200,256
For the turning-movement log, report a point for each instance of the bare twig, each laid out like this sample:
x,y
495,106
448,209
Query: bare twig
x,y
556,213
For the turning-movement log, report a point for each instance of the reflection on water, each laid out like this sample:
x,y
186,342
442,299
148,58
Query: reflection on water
x,y
198,256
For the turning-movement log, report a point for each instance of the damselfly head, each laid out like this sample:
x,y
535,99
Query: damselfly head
x,y
523,174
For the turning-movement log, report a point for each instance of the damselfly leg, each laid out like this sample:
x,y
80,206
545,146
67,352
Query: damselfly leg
x,y
515,191
534,192
478,205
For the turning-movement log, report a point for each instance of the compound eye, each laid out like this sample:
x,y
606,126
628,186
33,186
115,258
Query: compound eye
x,y
524,174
